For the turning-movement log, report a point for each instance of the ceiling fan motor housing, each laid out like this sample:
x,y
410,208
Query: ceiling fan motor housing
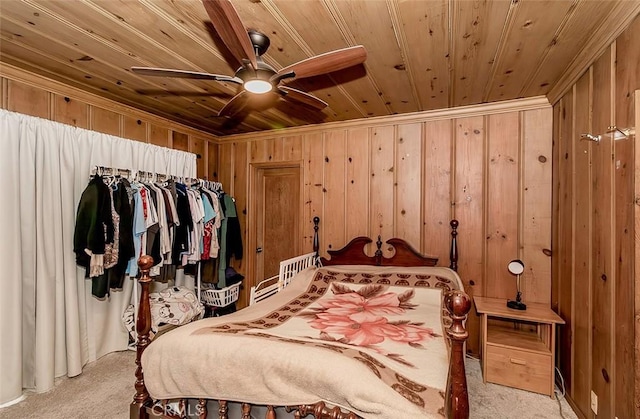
x,y
259,41
264,72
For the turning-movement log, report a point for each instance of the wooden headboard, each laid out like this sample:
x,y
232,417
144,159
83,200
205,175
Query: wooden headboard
x,y
405,255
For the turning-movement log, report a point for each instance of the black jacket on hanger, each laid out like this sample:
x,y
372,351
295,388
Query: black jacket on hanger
x,y
94,224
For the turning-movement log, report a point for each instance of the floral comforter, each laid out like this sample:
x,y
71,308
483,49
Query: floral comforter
x,y
367,339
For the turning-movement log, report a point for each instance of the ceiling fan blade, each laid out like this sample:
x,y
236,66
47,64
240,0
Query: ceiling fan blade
x,y
302,97
235,105
226,21
326,63
167,72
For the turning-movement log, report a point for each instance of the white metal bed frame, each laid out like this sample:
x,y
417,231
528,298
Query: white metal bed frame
x,y
288,269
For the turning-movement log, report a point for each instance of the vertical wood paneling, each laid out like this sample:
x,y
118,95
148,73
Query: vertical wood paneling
x,y
134,129
313,195
602,237
226,170
334,169
197,147
212,161
267,150
408,170
359,181
627,80
381,185
258,151
292,148
564,158
357,186
636,267
275,149
582,246
436,190
623,299
180,141
70,111
373,157
106,121
502,204
555,208
3,92
241,191
158,135
536,209
469,200
26,99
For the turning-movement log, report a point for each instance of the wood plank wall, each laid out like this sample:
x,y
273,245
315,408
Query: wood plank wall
x,y
487,166
595,234
33,95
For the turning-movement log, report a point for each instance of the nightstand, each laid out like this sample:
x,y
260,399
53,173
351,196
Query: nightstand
x,y
518,346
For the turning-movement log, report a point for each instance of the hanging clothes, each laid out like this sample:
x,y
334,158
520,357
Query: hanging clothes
x,y
168,268
94,225
181,243
194,228
230,237
94,231
123,205
105,252
139,229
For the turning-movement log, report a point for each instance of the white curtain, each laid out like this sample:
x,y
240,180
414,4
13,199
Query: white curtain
x,y
51,324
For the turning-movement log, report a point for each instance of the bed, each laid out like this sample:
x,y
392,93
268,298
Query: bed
x,y
373,337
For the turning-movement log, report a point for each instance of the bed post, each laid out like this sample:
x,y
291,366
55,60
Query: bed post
x,y
143,327
453,254
316,239
457,396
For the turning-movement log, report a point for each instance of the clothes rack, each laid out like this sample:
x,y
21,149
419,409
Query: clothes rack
x,y
111,175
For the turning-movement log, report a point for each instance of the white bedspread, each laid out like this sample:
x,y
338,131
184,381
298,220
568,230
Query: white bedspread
x,y
368,339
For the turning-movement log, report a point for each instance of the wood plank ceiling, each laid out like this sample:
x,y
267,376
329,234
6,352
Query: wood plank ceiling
x,y
422,54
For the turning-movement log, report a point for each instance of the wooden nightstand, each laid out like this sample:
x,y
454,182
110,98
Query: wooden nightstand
x,y
518,347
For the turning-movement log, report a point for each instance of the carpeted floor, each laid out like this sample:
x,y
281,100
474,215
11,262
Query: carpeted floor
x,y
108,383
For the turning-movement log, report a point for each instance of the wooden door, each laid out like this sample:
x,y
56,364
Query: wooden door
x,y
277,215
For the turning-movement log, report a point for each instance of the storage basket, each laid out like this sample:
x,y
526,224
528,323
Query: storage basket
x,y
220,298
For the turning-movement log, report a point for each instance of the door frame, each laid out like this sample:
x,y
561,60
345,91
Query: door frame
x,y
252,220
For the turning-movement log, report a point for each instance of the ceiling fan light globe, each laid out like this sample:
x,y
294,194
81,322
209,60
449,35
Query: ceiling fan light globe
x,y
258,86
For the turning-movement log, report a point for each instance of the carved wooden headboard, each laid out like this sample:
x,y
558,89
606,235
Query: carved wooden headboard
x,y
405,255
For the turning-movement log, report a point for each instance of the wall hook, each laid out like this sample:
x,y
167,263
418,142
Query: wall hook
x,y
620,133
591,137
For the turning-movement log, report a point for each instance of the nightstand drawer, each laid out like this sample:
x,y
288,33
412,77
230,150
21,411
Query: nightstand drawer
x,y
520,369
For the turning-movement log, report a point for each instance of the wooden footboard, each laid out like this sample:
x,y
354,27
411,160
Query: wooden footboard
x,y
457,302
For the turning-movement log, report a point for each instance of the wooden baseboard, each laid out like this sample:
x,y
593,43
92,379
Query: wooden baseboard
x,y
574,407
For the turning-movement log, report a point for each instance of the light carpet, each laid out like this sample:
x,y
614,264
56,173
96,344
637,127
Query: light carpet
x,y
105,389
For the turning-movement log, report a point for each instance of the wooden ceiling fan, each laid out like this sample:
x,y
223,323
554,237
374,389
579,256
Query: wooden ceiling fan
x,y
256,76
